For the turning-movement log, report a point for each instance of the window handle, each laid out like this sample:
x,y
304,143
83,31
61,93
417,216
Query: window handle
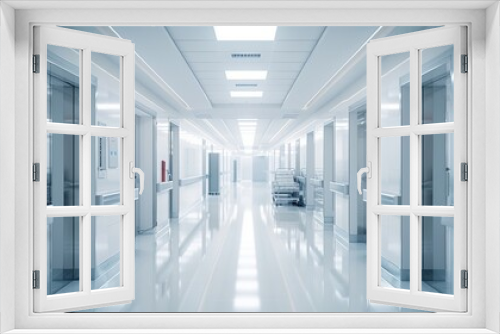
x,y
133,170
368,171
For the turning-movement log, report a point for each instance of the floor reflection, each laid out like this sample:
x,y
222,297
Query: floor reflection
x,y
237,252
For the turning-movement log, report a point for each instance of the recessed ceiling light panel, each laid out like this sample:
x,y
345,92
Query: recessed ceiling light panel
x,y
255,93
246,75
245,33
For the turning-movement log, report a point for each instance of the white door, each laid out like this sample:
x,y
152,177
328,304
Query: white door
x,y
83,170
416,147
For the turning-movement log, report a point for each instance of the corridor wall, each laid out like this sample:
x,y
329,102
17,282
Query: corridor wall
x,y
162,149
191,174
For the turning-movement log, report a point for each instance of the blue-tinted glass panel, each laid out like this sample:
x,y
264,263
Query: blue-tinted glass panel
x,y
394,89
106,245
437,84
395,170
106,171
63,255
63,170
107,90
395,252
63,82
437,170
437,254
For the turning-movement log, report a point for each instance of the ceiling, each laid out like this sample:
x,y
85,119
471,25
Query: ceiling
x,y
180,74
283,58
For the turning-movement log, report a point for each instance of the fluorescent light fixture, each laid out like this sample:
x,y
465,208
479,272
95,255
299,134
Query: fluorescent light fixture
x,y
108,106
245,33
247,126
238,93
246,75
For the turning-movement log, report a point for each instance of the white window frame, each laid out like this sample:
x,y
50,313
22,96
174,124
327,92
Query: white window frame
x,y
477,316
86,43
414,43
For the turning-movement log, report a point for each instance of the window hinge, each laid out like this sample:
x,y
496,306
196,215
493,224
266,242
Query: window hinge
x,y
36,63
465,64
36,279
465,279
36,172
464,171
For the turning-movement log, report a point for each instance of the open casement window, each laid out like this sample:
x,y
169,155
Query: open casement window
x,y
416,153
83,170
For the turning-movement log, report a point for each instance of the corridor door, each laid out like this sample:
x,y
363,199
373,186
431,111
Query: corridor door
x,y
416,126
83,170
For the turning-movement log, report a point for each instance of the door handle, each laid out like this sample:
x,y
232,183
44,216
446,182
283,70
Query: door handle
x,y
368,171
133,170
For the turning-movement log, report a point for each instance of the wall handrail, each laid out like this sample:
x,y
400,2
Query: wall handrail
x,y
191,180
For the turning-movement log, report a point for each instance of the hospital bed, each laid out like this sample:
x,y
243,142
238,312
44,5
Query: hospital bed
x,y
284,189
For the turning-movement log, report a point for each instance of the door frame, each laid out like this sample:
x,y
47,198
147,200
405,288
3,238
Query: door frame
x,y
479,281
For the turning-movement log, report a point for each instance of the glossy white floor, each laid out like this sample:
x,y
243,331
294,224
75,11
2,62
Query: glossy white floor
x,y
239,253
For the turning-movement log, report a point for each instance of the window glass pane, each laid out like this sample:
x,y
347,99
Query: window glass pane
x,y
437,169
395,89
437,84
63,255
395,170
106,89
106,171
63,82
63,170
437,254
106,244
395,252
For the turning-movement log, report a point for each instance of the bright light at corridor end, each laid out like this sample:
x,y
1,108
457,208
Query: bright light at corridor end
x,y
247,132
235,93
246,75
245,33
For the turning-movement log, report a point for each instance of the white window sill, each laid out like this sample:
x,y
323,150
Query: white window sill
x,y
250,331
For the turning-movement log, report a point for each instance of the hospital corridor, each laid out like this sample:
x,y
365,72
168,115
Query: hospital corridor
x,y
240,253
241,183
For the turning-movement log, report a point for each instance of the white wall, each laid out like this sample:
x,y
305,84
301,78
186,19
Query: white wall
x,y
259,167
190,154
7,167
318,151
492,163
341,167
162,154
246,168
303,153
477,193
190,166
